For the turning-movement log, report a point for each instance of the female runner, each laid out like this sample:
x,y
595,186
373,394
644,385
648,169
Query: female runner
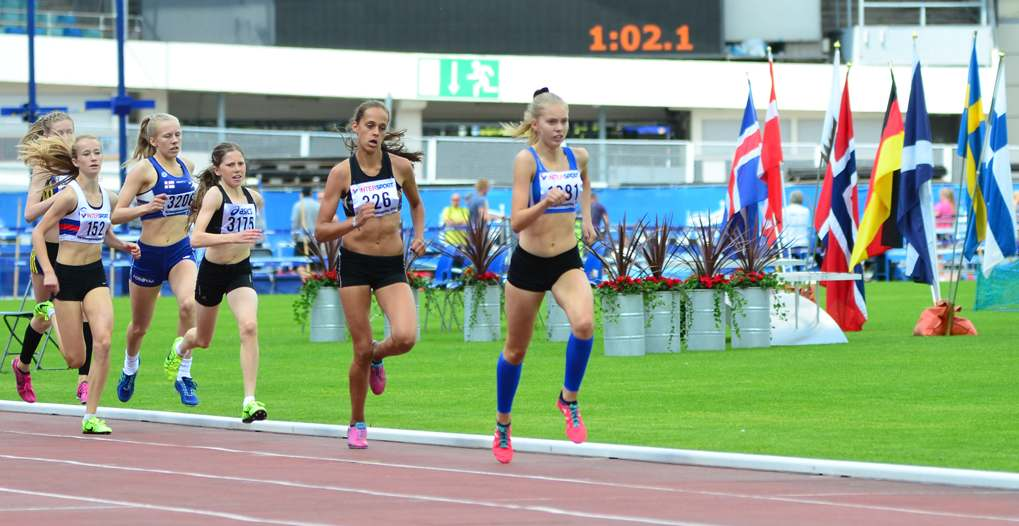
x,y
77,278
370,184
163,187
226,217
549,182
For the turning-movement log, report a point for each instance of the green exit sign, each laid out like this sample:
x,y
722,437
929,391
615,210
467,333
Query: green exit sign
x,y
459,78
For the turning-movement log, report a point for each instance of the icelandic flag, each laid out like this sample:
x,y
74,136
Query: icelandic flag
x,y
915,216
845,299
996,175
745,186
971,139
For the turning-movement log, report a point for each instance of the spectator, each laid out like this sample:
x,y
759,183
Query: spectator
x,y
477,202
454,219
944,211
302,222
796,223
599,216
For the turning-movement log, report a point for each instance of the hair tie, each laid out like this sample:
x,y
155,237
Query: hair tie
x,y
539,92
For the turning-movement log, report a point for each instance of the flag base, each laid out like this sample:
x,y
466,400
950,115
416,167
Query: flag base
x,y
936,321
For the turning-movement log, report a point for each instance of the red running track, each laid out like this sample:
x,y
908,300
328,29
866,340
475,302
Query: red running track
x,y
162,474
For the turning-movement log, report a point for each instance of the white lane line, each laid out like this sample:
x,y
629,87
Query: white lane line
x,y
142,505
360,491
792,499
63,508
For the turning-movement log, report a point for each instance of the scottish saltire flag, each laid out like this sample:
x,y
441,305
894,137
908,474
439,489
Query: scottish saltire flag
x,y
916,202
845,299
878,230
771,161
745,186
971,140
831,117
996,172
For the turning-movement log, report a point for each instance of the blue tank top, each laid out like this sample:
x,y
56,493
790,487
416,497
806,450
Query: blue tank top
x,y
568,181
180,191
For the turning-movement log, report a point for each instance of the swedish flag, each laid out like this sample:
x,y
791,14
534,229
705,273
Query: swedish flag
x,y
971,140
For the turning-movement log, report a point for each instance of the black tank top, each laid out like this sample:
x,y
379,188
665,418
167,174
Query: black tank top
x,y
239,217
382,191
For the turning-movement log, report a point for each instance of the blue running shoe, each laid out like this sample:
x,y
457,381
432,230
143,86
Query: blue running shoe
x,y
188,390
125,387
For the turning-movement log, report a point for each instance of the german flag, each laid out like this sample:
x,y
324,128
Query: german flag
x,y
878,231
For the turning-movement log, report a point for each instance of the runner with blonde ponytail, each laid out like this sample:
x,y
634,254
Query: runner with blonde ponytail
x,y
161,184
549,182
41,192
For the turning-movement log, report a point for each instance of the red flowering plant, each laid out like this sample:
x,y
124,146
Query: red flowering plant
x,y
618,255
483,243
326,262
709,251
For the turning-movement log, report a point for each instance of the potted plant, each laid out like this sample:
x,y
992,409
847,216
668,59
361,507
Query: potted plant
x,y
751,287
622,299
710,250
482,288
319,296
662,295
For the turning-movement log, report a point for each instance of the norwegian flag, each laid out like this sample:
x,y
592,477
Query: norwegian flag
x,y
745,186
771,161
846,303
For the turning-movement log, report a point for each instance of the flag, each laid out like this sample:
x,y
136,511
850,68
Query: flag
x,y
846,303
771,161
831,117
878,230
996,172
971,139
916,201
745,187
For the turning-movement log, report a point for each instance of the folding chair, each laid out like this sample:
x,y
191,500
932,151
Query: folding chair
x,y
440,281
12,320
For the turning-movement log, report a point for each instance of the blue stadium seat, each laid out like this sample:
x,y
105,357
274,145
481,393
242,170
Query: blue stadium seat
x,y
73,32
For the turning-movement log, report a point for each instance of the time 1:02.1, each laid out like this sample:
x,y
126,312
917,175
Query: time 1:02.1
x,y
631,38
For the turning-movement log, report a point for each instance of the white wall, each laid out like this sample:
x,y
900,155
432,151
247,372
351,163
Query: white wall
x,y
680,84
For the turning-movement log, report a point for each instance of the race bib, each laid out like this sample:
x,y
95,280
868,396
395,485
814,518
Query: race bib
x,y
380,194
568,181
178,204
237,218
92,225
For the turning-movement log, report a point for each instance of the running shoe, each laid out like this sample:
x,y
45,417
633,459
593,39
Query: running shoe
x,y
44,310
82,394
357,436
188,390
377,378
502,444
575,429
24,382
94,425
172,362
125,387
253,410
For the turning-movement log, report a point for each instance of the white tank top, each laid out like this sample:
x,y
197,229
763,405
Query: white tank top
x,y
86,224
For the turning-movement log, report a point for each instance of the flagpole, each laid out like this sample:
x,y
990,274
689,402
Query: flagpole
x,y
957,272
822,167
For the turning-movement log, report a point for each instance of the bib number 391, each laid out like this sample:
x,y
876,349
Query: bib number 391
x,y
568,182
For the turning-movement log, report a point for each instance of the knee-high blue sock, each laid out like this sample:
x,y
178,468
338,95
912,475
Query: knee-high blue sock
x,y
577,353
507,377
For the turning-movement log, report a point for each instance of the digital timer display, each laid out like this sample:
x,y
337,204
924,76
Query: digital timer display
x,y
648,38
631,28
